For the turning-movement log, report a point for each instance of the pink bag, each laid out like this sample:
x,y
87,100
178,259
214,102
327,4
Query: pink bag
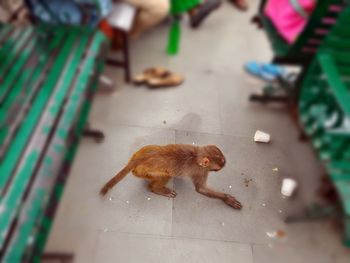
x,y
289,16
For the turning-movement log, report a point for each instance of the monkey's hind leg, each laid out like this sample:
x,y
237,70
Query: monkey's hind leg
x,y
158,186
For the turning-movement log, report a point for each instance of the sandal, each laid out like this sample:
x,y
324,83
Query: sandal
x,y
170,80
267,72
155,72
256,70
274,70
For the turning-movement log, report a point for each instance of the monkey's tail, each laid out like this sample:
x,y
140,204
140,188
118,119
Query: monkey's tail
x,y
117,178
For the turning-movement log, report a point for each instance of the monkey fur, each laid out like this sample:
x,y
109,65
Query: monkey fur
x,y
158,164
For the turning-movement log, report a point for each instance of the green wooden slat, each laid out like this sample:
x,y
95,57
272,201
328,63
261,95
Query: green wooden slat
x,y
11,58
339,134
344,192
334,148
339,57
339,90
67,119
336,43
6,49
344,70
3,33
16,68
12,47
23,86
29,123
14,255
339,176
341,31
29,164
342,165
43,234
345,18
83,78
16,191
9,44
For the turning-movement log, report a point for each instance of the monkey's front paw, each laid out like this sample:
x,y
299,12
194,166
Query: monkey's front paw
x,y
165,192
172,194
231,201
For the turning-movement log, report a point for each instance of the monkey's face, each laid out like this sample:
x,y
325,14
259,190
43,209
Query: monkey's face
x,y
216,158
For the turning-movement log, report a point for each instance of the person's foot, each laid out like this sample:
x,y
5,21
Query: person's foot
x,y
240,4
203,11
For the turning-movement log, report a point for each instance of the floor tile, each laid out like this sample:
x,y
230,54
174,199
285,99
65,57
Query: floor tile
x,y
134,249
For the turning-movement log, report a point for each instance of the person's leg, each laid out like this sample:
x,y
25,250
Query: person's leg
x,y
199,13
150,13
240,4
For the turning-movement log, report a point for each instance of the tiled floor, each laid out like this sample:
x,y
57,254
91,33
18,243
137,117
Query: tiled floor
x,y
211,107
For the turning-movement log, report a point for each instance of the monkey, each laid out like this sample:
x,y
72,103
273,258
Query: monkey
x,y
158,164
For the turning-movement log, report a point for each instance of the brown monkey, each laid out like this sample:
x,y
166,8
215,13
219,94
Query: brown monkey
x,y
160,163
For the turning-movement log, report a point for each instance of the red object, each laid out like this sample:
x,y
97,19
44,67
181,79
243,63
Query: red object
x,y
106,28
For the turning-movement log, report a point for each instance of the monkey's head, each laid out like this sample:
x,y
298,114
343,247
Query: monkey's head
x,y
211,158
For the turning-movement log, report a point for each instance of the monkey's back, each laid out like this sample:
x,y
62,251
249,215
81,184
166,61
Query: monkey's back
x,y
169,159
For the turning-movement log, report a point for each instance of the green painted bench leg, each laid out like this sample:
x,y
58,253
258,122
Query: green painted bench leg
x,y
265,98
97,135
60,257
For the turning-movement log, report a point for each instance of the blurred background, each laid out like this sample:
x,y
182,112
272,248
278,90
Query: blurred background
x,y
86,83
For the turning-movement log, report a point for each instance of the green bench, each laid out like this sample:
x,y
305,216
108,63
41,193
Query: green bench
x,y
48,77
324,108
300,53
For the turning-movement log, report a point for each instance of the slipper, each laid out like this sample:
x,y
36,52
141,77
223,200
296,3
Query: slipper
x,y
274,70
170,80
155,72
257,70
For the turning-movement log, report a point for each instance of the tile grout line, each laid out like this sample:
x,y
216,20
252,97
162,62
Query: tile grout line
x,y
220,107
144,235
191,131
96,243
169,129
252,251
106,122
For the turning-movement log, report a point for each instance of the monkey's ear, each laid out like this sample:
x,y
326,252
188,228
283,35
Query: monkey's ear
x,y
204,162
